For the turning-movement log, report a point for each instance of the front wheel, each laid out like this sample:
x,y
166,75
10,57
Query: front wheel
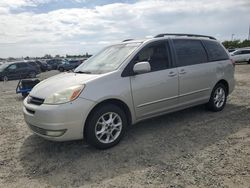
x,y
218,98
106,126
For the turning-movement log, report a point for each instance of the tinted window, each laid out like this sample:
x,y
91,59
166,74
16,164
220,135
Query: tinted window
x,y
73,62
189,52
22,65
245,51
156,54
215,51
237,52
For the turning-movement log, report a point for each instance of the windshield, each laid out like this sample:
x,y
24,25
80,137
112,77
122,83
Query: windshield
x,y
2,67
108,59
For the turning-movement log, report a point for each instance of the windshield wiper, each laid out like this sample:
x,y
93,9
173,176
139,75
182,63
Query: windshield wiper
x,y
83,72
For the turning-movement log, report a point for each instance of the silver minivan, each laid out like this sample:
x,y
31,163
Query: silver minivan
x,y
129,82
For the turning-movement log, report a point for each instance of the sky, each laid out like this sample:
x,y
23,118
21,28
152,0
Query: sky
x,y
39,27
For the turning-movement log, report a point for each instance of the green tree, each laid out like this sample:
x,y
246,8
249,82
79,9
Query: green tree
x,y
236,44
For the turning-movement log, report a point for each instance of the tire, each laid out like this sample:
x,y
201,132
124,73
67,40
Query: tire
x,y
248,61
32,74
218,98
111,123
61,69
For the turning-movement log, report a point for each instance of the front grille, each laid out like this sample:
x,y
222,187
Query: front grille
x,y
37,129
35,100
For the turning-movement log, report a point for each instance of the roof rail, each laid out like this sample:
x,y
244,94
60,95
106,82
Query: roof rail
x,y
183,34
127,40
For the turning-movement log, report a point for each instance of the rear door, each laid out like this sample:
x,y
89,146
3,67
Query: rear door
x,y
157,90
195,74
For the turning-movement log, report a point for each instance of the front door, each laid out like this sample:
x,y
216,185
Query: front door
x,y
156,91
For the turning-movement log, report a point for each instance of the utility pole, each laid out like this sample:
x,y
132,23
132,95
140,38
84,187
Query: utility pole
x,y
249,33
232,38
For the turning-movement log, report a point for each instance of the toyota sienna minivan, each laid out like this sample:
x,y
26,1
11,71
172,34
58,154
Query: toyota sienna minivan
x,y
129,82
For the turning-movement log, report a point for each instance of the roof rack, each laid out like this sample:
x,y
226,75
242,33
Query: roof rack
x,y
183,34
127,40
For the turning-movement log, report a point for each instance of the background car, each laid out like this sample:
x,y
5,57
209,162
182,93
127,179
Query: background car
x,y
69,65
55,62
241,55
17,70
43,66
230,50
35,65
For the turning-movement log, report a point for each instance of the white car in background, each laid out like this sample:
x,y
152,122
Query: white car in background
x,y
241,55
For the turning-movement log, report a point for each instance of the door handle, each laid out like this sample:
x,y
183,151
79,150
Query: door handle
x,y
182,71
172,74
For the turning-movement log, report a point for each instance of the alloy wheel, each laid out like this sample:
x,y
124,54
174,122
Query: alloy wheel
x,y
219,97
108,127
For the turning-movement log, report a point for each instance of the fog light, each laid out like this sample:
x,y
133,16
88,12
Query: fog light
x,y
55,133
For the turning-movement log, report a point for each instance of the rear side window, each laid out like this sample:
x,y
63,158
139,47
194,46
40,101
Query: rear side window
x,y
215,51
189,52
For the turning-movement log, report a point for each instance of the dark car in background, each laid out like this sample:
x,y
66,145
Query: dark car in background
x,y
55,62
17,70
35,65
69,65
43,66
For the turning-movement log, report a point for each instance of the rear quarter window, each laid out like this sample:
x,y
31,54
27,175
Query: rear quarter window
x,y
215,51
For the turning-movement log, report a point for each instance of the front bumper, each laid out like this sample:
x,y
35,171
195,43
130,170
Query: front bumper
x,y
67,119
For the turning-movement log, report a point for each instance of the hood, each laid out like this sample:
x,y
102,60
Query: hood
x,y
60,82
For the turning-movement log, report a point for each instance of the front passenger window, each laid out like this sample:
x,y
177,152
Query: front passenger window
x,y
156,55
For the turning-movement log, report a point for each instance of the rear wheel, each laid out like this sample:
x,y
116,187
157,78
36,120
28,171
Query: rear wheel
x,y
218,98
106,126
248,61
61,69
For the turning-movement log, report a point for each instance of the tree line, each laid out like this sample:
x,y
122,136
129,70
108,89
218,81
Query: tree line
x,y
236,44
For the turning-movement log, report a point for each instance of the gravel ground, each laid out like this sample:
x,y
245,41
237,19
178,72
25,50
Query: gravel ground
x,y
190,148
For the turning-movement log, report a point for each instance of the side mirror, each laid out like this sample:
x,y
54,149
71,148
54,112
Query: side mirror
x,y
142,67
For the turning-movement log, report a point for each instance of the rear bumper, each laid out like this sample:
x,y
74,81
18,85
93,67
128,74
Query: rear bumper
x,y
48,120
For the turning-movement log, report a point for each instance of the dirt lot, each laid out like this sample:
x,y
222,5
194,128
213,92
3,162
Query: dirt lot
x,y
191,148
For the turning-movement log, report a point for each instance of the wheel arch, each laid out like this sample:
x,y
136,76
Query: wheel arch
x,y
225,83
114,101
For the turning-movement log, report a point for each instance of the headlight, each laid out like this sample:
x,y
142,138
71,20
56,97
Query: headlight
x,y
65,96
